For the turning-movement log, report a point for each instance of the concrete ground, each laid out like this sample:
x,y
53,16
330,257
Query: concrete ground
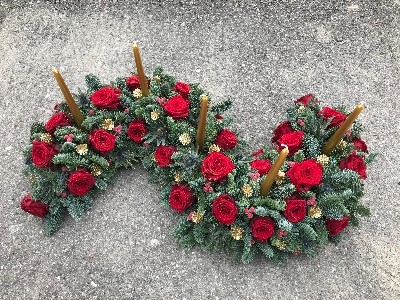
x,y
263,54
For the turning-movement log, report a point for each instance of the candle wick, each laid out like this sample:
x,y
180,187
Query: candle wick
x,y
54,70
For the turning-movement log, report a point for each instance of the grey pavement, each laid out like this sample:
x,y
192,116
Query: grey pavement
x,y
263,54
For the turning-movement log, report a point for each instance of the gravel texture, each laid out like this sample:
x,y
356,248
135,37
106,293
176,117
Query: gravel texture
x,y
263,54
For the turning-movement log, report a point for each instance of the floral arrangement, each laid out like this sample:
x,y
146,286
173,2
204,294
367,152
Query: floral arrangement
x,y
216,188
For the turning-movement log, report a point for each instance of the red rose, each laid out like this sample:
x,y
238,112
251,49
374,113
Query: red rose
x,y
280,130
360,144
137,130
58,120
35,208
182,88
42,153
305,100
106,97
226,139
296,210
262,166
181,197
262,228
337,117
305,174
293,140
177,107
102,141
216,166
224,209
132,82
163,155
334,227
80,182
356,163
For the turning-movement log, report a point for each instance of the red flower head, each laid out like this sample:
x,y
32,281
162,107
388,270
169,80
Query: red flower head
x,y
216,166
337,117
262,228
42,153
334,227
356,163
360,144
106,97
262,166
132,82
177,107
226,140
181,197
183,89
80,182
305,174
58,120
102,141
280,130
293,140
305,100
296,210
224,209
36,208
137,130
163,155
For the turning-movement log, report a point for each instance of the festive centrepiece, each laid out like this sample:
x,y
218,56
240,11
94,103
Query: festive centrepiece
x,y
229,198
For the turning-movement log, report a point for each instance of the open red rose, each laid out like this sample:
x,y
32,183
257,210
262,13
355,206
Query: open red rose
x,y
360,144
305,100
293,140
181,197
177,107
262,166
216,166
58,120
182,88
337,117
296,210
226,140
356,163
137,130
305,174
163,155
102,141
334,227
34,207
133,83
42,153
280,130
106,97
262,228
80,182
224,209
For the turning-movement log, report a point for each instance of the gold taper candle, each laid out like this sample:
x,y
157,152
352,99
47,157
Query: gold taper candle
x,y
201,129
337,136
73,107
273,172
140,71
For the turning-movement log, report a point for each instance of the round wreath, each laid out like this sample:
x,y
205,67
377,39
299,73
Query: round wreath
x,y
215,189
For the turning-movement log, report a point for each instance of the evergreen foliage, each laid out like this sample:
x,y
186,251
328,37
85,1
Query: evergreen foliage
x,y
334,198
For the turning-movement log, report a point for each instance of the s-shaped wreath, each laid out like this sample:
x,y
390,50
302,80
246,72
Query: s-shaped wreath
x,y
287,199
